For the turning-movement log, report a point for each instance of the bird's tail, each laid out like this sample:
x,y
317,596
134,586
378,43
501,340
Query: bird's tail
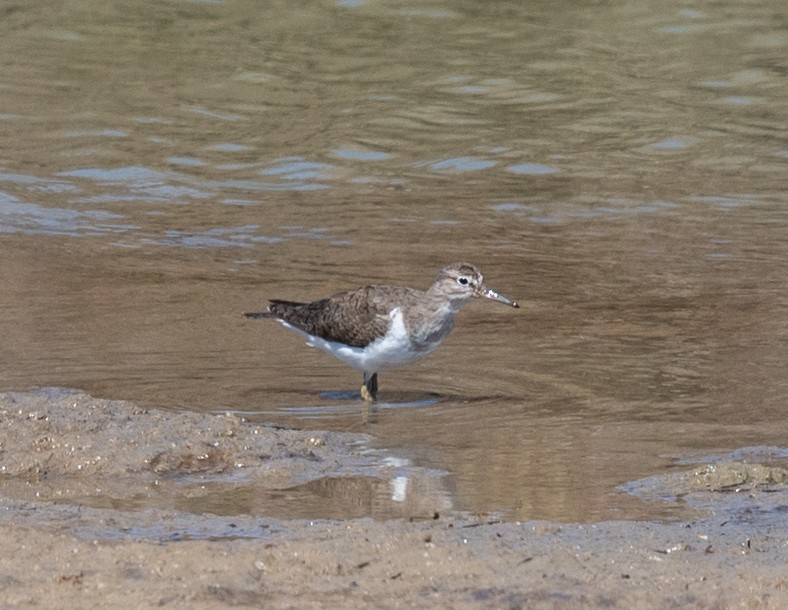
x,y
277,310
257,315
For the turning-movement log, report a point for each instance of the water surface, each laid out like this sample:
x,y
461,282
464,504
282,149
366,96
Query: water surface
x,y
619,170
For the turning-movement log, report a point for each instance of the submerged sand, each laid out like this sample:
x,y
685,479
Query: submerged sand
x,y
105,504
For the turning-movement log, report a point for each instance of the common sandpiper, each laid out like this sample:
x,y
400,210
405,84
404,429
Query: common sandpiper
x,y
379,327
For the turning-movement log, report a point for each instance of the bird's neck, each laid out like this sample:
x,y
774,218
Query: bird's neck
x,y
432,320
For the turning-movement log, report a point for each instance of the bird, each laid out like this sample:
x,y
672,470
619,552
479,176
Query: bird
x,y
380,327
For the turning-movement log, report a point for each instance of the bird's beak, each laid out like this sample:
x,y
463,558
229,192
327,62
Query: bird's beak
x,y
489,293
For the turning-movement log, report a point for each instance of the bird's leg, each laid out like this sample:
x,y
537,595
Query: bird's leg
x,y
369,391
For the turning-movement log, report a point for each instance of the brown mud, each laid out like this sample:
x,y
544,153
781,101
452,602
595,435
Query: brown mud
x,y
105,504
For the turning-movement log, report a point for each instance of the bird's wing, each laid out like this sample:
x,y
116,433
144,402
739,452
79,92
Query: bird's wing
x,y
355,318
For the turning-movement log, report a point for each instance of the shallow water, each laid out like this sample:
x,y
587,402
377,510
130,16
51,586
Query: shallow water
x,y
622,172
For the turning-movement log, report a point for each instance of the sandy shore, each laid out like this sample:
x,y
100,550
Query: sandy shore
x,y
105,504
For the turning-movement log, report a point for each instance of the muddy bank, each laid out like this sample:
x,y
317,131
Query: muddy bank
x,y
71,448
106,504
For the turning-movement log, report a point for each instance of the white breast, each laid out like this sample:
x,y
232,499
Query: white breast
x,y
390,351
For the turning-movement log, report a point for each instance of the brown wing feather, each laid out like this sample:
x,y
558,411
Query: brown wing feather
x,y
355,318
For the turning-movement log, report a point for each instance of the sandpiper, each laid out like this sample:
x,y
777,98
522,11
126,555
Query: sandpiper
x,y
379,328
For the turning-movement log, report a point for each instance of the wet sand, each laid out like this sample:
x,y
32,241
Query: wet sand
x,y
104,506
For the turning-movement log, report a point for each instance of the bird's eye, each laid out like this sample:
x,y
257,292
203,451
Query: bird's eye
x,y
463,281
